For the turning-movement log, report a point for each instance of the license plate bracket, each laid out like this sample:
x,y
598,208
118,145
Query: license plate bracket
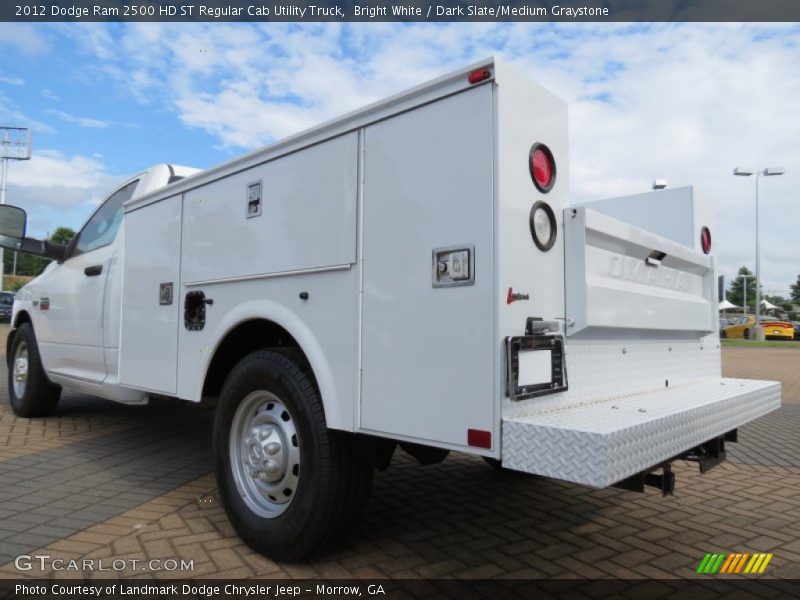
x,y
520,386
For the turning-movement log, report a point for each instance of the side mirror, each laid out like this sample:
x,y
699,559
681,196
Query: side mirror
x,y
13,223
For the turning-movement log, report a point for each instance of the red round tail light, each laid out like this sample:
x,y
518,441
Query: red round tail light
x,y
705,239
543,167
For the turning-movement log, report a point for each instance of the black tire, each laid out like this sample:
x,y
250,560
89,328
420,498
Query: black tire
x,y
723,335
746,334
494,463
39,397
335,468
498,466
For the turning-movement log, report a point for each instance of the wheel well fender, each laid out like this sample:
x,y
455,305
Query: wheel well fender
x,y
260,324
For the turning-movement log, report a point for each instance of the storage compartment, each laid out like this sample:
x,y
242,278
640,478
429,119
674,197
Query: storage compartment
x,y
296,212
151,305
428,334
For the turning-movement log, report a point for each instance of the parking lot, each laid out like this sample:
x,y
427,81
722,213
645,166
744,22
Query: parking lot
x,y
101,480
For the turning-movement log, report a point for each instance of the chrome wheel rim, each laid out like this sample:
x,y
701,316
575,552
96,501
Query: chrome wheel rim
x,y
265,454
20,370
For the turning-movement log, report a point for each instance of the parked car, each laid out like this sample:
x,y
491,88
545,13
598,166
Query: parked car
x,y
773,329
6,305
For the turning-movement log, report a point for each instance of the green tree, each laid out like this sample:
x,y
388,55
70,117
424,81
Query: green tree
x,y
736,293
28,264
62,235
795,295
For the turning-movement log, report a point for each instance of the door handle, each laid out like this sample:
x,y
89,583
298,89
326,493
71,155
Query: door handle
x,y
93,270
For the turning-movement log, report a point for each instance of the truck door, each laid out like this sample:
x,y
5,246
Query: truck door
x,y
69,319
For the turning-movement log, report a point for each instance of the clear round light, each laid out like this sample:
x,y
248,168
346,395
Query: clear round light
x,y
542,226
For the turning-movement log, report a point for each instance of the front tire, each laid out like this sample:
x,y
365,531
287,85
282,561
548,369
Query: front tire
x,y
289,485
31,392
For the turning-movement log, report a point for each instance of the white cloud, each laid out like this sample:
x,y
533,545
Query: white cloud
x,y
12,80
49,94
686,102
12,116
24,37
79,121
51,168
56,189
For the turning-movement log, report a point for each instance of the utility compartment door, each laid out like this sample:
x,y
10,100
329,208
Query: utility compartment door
x,y
150,302
293,213
428,352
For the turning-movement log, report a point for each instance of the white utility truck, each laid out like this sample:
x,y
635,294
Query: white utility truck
x,y
409,274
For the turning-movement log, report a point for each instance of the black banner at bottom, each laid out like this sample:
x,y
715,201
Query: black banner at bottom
x,y
393,589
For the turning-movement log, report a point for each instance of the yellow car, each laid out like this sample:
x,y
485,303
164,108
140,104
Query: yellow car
x,y
773,330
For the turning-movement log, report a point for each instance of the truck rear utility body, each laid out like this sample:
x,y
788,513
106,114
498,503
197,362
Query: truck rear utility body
x,y
643,360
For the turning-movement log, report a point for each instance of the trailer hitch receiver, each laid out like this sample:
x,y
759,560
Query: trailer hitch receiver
x,y
664,481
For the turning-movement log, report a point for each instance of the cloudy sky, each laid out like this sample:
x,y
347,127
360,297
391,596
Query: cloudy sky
x,y
684,102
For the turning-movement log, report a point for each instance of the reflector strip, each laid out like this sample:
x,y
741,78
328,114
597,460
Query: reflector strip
x,y
479,438
479,75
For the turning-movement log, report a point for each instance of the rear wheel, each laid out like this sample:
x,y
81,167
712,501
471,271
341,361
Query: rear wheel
x,y
498,466
723,335
31,392
746,334
289,485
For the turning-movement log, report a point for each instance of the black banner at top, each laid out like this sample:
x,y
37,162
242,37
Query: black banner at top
x,y
401,10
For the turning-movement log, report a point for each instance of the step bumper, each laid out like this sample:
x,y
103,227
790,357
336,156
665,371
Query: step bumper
x,y
601,443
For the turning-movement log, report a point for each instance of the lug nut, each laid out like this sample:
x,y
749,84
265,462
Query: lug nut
x,y
273,448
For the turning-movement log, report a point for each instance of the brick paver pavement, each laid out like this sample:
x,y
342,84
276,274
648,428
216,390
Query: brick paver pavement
x,y
115,482
777,364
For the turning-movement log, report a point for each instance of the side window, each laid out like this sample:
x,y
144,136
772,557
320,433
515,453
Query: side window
x,y
102,228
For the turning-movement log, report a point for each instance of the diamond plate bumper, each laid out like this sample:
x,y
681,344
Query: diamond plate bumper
x,y
601,443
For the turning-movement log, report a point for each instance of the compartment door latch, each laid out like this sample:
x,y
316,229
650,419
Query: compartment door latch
x,y
194,310
453,266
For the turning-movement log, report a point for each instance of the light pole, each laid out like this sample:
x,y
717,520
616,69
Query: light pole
x,y
15,144
744,289
757,331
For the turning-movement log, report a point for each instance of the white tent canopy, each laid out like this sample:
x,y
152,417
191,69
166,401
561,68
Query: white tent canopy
x,y
725,305
768,305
